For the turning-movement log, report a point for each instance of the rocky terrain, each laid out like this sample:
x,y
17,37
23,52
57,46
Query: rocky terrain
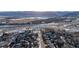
x,y
30,39
60,39
26,39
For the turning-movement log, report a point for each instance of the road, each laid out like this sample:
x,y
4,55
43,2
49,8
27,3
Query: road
x,y
40,39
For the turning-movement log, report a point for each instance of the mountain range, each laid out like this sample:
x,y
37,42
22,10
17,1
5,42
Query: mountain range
x,y
20,14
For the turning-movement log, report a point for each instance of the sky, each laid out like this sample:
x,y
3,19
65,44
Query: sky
x,y
39,5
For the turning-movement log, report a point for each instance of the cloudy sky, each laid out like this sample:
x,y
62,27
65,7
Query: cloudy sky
x,y
39,5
